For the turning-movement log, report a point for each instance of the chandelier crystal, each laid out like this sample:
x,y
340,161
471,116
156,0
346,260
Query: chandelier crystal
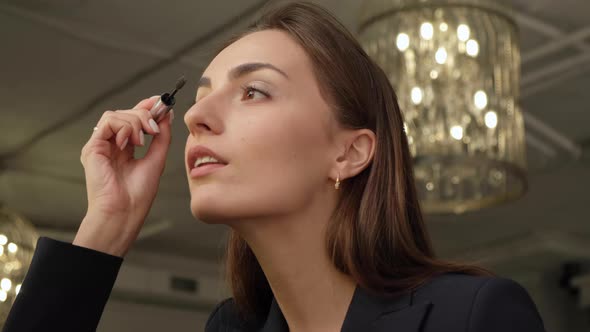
x,y
18,239
455,66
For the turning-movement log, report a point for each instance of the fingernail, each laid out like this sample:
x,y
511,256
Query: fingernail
x,y
152,97
171,116
124,143
141,138
154,125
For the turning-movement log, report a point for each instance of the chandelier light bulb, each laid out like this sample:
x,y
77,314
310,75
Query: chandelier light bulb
x,y
480,99
416,95
457,132
426,30
463,32
441,55
12,247
491,119
472,47
443,27
402,41
433,74
5,284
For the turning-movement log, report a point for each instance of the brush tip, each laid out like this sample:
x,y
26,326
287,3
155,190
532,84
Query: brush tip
x,y
180,83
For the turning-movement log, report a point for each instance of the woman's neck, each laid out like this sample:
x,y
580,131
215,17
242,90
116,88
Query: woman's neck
x,y
312,294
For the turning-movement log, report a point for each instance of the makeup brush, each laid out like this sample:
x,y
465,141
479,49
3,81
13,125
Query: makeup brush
x,y
166,101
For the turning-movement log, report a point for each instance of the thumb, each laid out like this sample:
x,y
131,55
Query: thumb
x,y
158,150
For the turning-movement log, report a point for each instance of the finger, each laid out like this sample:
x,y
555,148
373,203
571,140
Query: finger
x,y
108,131
160,144
147,103
110,127
145,119
123,137
133,133
140,122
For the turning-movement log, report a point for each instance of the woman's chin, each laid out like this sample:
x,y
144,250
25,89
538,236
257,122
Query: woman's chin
x,y
207,213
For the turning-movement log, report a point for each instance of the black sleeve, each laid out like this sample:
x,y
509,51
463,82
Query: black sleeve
x,y
502,304
65,289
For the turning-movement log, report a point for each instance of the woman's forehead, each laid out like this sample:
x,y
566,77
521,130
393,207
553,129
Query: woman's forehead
x,y
268,46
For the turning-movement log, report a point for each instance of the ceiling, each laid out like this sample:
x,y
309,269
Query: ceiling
x,y
64,62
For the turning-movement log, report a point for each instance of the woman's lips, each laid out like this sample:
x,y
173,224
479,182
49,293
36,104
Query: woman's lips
x,y
205,170
201,151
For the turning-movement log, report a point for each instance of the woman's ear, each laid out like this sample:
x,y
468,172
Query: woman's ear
x,y
359,149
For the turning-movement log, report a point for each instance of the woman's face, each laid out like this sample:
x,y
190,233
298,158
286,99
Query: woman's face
x,y
279,146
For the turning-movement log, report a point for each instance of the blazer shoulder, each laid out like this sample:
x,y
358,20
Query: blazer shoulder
x,y
457,286
472,303
458,283
223,314
464,288
503,304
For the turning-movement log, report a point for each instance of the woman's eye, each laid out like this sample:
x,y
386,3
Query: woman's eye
x,y
250,92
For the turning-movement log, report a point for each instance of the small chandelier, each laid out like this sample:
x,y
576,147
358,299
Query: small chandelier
x,y
455,66
18,239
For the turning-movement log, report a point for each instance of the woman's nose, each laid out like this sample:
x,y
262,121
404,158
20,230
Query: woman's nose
x,y
201,118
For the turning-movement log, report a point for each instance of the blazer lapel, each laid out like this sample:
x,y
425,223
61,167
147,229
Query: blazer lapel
x,y
367,312
275,321
409,319
374,313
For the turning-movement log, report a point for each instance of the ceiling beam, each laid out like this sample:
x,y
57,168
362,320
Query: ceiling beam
x,y
546,72
557,44
556,137
539,145
544,28
82,33
558,77
535,81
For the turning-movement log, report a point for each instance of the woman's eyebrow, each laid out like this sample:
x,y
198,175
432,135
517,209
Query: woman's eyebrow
x,y
242,70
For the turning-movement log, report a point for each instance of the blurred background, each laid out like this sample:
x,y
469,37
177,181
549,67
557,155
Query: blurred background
x,y
494,95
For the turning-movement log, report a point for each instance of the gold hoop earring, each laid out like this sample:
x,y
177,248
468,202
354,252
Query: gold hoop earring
x,y
337,185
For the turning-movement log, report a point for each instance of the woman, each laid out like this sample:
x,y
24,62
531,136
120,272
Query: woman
x,y
314,177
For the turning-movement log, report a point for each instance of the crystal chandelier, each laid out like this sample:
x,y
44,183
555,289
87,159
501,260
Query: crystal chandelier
x,y
18,239
455,66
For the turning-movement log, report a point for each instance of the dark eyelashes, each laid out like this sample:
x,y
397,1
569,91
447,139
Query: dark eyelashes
x,y
248,88
245,88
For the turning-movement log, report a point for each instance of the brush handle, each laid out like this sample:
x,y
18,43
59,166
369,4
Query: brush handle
x,y
162,106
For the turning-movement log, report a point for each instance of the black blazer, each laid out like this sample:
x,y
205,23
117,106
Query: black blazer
x,y
67,287
448,303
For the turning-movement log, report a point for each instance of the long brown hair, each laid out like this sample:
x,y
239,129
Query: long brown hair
x,y
376,234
